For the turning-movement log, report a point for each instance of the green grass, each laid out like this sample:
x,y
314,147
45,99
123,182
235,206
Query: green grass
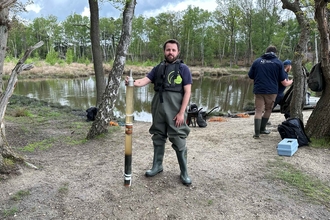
x,y
22,112
39,113
320,143
114,129
64,189
79,125
144,64
9,163
41,145
5,77
9,212
313,189
20,194
71,141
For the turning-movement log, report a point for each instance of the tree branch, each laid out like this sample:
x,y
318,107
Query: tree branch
x,y
6,3
20,66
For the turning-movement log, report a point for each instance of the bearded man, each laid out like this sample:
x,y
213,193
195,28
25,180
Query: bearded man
x,y
172,81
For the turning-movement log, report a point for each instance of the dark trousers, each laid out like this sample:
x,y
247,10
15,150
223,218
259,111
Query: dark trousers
x,y
278,99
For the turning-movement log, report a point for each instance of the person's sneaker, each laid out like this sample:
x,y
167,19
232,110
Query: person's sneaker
x,y
268,123
256,137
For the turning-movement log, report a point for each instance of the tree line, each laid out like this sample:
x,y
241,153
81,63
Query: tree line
x,y
233,35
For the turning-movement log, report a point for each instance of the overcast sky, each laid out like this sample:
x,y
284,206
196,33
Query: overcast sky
x,y
63,8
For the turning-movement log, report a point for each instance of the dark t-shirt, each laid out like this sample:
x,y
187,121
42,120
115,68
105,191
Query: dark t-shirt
x,y
281,88
184,72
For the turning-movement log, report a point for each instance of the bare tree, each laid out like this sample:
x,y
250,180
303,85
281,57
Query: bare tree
x,y
105,112
318,124
5,149
6,152
299,73
96,49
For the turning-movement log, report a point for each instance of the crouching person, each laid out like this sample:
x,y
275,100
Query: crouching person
x,y
172,84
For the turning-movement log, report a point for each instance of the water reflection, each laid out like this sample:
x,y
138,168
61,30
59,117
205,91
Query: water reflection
x,y
227,92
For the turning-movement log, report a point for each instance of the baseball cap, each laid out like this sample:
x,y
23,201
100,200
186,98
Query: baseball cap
x,y
287,62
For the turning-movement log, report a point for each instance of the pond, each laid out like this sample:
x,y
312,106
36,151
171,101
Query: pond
x,y
230,93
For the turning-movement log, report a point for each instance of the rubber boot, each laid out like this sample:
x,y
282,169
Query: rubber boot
x,y
182,159
263,126
157,165
257,123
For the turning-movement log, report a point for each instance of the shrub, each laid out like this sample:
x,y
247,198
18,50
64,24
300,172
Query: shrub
x,y
69,56
52,57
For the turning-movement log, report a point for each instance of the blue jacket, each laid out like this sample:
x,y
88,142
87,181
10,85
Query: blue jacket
x,y
267,72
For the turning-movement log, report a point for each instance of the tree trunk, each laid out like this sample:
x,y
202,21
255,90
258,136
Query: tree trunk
x,y
299,73
4,28
96,49
105,112
318,124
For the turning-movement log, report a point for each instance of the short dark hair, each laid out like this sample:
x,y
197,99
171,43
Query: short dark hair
x,y
271,49
172,41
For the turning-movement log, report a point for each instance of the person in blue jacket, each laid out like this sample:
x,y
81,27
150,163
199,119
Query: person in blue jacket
x,y
267,72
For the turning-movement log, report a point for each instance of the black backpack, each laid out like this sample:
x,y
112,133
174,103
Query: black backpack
x,y
196,116
200,120
315,79
286,101
91,113
294,128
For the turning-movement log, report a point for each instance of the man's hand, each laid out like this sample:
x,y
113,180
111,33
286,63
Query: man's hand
x,y
126,80
179,119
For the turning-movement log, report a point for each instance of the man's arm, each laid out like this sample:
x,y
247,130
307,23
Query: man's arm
x,y
186,97
287,82
142,82
139,82
179,118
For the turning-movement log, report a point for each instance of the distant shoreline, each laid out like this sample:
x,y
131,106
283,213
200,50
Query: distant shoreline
x,y
75,70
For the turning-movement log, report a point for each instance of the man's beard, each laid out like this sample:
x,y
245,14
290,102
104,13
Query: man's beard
x,y
170,59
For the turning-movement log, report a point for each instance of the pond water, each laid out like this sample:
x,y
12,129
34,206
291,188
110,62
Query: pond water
x,y
230,93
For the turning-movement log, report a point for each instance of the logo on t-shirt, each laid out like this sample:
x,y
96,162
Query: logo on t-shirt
x,y
177,80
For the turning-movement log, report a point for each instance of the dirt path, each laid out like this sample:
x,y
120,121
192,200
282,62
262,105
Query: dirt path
x,y
233,175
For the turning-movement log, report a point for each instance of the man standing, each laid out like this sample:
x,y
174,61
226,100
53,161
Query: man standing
x,y
267,72
172,84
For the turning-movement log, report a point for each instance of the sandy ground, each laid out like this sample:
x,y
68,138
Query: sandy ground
x,y
232,174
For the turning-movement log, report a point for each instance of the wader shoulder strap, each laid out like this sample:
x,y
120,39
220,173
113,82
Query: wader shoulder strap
x,y
159,80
